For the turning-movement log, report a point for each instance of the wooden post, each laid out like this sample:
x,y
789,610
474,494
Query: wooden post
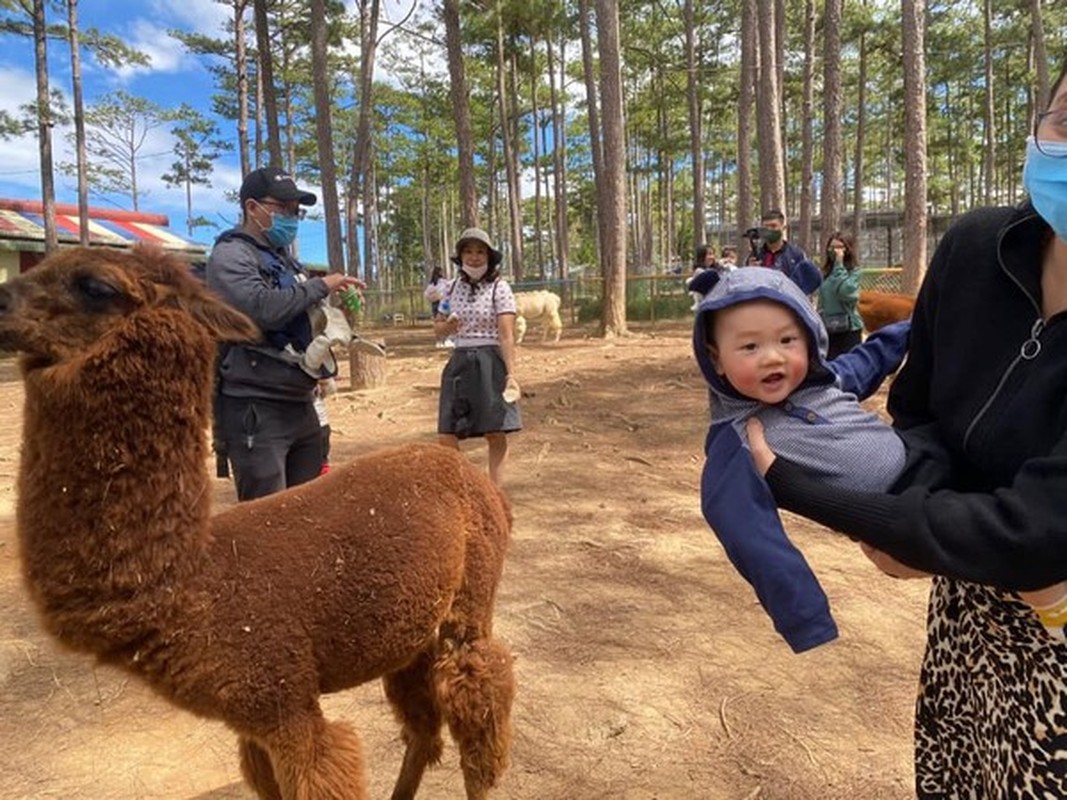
x,y
366,368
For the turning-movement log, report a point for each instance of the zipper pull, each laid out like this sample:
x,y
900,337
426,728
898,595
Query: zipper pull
x,y
1032,346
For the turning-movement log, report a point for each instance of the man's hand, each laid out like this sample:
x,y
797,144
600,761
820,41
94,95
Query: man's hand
x,y
335,281
762,455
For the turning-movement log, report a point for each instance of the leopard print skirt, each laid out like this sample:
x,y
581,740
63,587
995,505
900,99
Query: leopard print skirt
x,y
991,717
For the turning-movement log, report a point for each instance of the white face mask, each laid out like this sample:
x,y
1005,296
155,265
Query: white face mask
x,y
475,273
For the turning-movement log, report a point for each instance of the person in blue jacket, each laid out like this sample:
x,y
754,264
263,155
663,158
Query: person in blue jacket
x,y
762,347
782,255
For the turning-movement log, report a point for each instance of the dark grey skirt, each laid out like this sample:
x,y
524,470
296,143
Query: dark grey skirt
x,y
472,402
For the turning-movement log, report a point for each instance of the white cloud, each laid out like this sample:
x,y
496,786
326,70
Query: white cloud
x,y
201,16
165,53
20,159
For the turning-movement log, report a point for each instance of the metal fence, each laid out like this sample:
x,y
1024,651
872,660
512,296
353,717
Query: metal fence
x,y
648,298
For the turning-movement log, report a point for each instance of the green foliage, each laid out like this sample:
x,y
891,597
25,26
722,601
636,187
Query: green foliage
x,y
669,302
197,146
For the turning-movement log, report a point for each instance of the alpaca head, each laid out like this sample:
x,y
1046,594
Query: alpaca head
x,y
62,307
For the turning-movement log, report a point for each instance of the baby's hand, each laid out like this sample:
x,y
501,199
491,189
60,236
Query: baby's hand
x,y
762,455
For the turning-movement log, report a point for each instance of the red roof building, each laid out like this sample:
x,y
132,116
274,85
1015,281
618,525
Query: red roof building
x,y
22,232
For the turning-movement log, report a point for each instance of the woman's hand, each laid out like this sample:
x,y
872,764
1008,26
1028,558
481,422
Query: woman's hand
x,y
889,565
762,455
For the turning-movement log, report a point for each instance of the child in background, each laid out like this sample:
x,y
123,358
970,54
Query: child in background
x,y
324,389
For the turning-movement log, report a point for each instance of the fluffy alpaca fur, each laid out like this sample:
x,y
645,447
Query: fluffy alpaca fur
x,y
538,305
878,309
386,567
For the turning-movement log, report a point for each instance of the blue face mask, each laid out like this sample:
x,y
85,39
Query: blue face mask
x,y
1045,180
282,230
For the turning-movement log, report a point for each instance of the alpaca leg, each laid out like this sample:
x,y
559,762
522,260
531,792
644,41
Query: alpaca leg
x,y
557,326
475,687
410,692
317,760
257,770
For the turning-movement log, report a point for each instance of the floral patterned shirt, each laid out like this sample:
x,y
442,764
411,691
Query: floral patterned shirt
x,y
478,307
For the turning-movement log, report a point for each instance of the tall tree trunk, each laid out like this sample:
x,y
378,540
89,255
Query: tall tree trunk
x,y
768,117
511,159
257,152
79,122
912,12
696,137
831,150
749,77
859,185
266,70
461,114
363,162
241,68
593,115
1037,28
535,128
44,127
559,157
612,203
989,112
320,80
807,138
188,196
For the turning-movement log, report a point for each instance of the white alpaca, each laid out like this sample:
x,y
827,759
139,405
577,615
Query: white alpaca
x,y
538,305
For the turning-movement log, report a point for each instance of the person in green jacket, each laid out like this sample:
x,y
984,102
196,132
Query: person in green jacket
x,y
839,295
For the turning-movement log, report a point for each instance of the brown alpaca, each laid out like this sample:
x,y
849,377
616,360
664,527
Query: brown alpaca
x,y
878,309
387,567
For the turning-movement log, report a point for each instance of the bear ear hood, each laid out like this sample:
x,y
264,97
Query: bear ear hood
x,y
739,286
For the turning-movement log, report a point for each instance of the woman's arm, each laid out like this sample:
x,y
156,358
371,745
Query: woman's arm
x,y
1013,537
506,329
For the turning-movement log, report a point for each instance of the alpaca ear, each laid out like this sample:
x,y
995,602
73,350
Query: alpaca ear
x,y
226,323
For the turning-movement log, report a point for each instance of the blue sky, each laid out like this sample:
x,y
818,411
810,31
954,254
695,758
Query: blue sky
x,y
174,77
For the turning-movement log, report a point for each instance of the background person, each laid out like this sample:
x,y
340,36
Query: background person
x,y
839,295
728,257
266,420
778,253
434,291
479,394
982,502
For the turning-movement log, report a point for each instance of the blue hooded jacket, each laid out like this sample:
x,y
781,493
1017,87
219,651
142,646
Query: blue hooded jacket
x,y
821,425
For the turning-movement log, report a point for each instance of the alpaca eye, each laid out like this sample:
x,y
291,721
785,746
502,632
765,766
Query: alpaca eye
x,y
95,289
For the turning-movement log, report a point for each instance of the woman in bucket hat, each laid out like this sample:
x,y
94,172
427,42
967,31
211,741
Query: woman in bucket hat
x,y
479,395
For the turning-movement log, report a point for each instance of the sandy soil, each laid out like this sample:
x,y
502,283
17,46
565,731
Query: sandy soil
x,y
645,667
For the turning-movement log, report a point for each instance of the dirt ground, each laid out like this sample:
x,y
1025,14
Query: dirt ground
x,y
645,667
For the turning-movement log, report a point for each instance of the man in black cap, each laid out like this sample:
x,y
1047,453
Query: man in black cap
x,y
265,420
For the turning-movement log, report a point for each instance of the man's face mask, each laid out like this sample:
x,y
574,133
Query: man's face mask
x,y
283,228
771,235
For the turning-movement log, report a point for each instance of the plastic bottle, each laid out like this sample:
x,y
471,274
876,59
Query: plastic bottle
x,y
352,300
511,390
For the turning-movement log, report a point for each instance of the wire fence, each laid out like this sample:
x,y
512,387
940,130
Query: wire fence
x,y
648,298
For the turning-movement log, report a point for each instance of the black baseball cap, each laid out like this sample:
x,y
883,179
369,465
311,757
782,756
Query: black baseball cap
x,y
274,182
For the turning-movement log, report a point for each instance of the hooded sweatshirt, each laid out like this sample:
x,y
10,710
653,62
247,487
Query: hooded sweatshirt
x,y
820,425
